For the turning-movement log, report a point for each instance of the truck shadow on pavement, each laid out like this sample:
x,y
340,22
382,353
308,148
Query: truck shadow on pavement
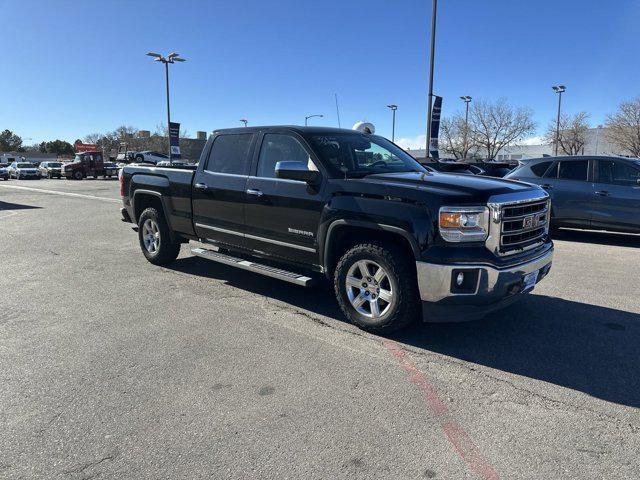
x,y
5,206
592,349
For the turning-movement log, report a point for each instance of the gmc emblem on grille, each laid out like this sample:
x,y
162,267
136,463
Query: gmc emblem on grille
x,y
531,221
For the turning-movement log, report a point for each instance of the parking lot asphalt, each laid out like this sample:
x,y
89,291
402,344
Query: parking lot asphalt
x,y
111,367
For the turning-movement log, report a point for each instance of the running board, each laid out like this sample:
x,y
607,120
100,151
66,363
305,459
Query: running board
x,y
267,270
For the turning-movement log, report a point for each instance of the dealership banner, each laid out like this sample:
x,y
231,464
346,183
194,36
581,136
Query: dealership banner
x,y
174,139
435,127
85,147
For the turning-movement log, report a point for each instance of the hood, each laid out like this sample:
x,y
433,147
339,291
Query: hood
x,y
469,187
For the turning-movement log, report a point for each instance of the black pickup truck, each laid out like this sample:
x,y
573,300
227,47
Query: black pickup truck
x,y
394,237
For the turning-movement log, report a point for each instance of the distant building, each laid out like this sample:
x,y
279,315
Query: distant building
x,y
31,157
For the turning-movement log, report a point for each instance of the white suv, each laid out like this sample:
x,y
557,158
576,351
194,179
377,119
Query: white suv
x,y
149,156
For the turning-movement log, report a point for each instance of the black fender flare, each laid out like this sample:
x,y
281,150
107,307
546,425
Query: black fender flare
x,y
163,201
325,245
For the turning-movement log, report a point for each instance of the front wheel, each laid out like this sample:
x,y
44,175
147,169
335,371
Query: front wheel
x,y
77,175
376,287
155,238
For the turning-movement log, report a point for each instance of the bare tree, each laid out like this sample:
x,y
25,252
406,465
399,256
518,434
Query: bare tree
x,y
623,127
572,135
493,126
456,139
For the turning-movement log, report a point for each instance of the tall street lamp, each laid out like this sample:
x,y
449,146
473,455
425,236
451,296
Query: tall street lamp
x,y
431,58
467,100
244,120
559,89
306,119
171,58
393,125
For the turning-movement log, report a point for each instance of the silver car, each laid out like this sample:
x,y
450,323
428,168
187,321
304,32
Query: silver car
x,y
20,170
4,171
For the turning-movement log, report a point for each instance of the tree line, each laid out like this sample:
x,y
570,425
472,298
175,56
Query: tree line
x,y
491,126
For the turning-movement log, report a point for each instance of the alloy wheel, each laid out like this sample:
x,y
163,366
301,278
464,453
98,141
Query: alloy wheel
x,y
151,235
369,289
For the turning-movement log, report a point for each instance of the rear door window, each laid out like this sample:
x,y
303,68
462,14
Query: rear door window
x,y
617,173
574,170
230,154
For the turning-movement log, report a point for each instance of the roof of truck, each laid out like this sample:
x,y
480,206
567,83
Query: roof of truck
x,y
295,128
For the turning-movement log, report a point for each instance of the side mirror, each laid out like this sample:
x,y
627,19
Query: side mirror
x,y
297,171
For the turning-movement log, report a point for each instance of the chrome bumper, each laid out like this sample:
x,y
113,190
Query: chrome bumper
x,y
493,288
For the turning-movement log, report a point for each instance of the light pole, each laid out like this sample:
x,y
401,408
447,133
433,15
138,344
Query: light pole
x,y
467,100
171,58
431,58
306,119
393,125
244,120
559,89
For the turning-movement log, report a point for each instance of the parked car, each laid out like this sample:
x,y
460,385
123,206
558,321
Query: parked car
x,y
601,193
175,163
85,164
449,166
4,171
110,169
394,238
20,170
50,169
149,156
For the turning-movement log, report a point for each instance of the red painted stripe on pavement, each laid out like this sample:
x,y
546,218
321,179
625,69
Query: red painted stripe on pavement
x,y
456,435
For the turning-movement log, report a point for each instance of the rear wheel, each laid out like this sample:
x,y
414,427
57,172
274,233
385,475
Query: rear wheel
x,y
155,238
376,287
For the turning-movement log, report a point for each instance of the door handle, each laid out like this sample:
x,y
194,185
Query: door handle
x,y
603,193
546,186
201,186
253,191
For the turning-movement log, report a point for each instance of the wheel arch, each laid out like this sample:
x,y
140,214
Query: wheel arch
x,y
143,199
342,234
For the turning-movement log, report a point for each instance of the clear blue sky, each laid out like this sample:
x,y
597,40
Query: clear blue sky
x,y
70,68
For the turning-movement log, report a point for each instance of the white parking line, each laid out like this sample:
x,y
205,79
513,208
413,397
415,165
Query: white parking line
x,y
66,194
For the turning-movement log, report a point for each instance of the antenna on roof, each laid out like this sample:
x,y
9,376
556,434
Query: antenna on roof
x,y
337,110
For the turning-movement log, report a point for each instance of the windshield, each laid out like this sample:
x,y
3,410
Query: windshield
x,y
357,155
637,162
25,165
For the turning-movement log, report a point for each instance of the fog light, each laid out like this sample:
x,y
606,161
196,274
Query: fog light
x,y
460,279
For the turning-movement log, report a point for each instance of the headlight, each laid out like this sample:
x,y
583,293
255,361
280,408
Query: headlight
x,y
464,224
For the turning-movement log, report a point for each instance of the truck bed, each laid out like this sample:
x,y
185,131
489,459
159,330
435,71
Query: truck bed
x,y
173,183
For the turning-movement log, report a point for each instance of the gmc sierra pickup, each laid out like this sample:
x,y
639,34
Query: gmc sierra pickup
x,y
395,238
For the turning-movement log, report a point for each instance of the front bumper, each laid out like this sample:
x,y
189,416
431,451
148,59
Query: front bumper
x,y
490,288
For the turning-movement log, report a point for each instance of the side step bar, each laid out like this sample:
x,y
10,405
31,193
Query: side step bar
x,y
267,270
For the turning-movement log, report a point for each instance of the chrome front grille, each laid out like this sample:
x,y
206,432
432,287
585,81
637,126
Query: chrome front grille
x,y
523,225
518,221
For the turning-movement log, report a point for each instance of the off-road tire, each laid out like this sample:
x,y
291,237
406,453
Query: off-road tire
x,y
402,276
167,251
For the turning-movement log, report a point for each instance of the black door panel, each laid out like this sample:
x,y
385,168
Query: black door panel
x,y
284,219
282,216
219,190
